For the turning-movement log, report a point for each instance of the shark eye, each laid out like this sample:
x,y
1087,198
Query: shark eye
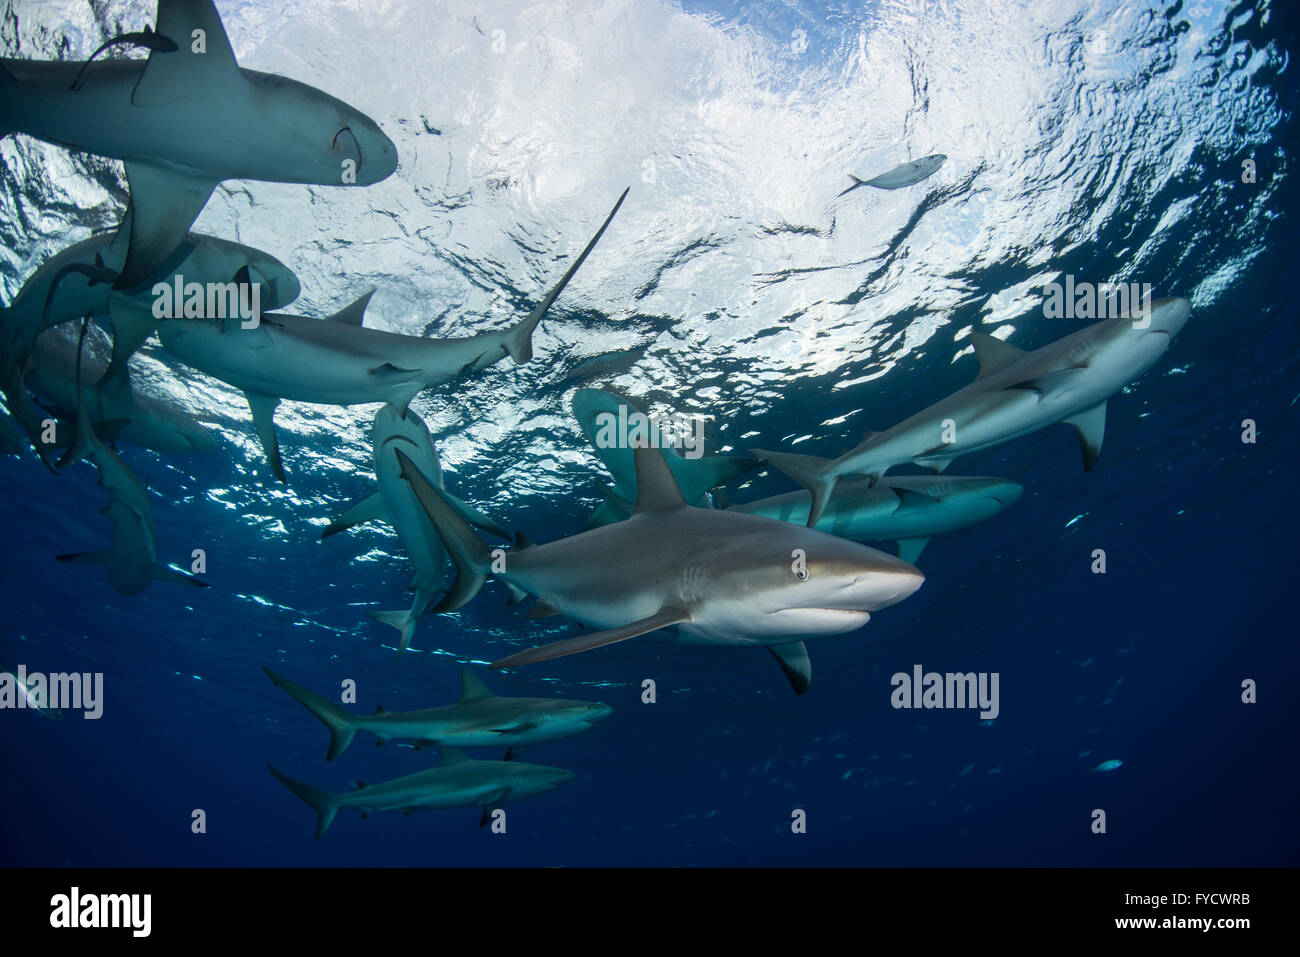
x,y
802,574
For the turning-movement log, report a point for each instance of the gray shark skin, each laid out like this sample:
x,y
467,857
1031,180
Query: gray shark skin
x,y
185,120
339,361
717,577
457,782
1016,393
152,422
909,509
905,174
132,556
693,476
71,285
397,505
478,720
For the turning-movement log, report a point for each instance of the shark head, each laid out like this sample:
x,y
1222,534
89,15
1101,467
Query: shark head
x,y
579,715
531,780
797,583
1135,344
312,137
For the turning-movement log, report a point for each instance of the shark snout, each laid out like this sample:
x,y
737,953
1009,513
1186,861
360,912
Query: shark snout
x,y
597,711
1168,316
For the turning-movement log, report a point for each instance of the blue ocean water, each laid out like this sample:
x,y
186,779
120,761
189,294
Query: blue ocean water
x,y
1101,140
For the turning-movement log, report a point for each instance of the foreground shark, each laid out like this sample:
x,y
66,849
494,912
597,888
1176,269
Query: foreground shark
x,y
458,781
478,720
117,410
1016,393
132,557
717,577
613,425
78,281
186,119
397,505
909,509
905,174
339,361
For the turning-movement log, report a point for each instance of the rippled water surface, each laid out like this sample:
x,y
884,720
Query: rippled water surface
x,y
1101,140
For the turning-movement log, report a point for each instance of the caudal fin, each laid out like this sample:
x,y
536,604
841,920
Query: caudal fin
x,y
467,550
813,473
402,619
519,339
322,802
342,725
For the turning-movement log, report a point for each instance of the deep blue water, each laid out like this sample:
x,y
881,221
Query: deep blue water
x,y
1143,664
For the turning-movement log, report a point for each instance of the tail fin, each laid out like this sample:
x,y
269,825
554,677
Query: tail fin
x,y
813,473
341,724
519,339
856,183
403,620
467,550
322,802
697,476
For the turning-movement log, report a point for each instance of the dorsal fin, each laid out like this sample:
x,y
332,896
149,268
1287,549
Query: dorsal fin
x,y
354,313
656,489
992,353
471,688
200,60
522,541
452,756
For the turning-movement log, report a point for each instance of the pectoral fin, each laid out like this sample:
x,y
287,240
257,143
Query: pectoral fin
x,y
1091,426
517,728
476,518
164,205
597,639
794,661
263,408
909,549
133,323
164,574
371,509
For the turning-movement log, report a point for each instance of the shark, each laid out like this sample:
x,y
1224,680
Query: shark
x,y
186,119
908,509
459,781
597,409
340,361
1015,393
397,505
78,281
479,719
132,556
905,174
118,411
716,577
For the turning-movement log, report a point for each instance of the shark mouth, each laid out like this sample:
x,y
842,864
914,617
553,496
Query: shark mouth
x,y
355,143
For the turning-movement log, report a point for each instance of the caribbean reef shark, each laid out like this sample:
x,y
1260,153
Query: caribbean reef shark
x,y
905,174
478,720
78,281
339,361
184,120
1015,393
132,557
909,509
397,505
613,425
458,781
116,409
718,577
